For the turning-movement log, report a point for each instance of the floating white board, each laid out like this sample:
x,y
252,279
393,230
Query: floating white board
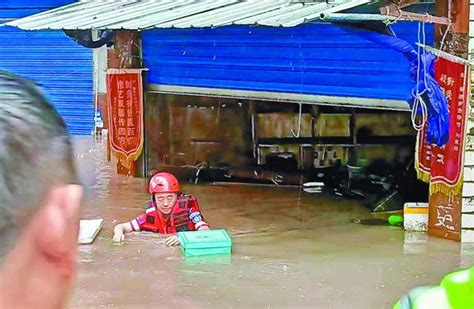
x,y
88,230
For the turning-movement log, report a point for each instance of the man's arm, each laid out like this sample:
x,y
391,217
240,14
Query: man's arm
x,y
124,228
196,217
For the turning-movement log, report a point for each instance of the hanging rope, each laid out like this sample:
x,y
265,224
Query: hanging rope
x,y
300,115
448,28
425,63
298,132
419,104
389,22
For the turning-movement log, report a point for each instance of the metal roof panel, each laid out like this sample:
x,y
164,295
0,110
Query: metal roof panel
x,y
174,15
270,14
291,15
121,14
146,14
345,5
225,15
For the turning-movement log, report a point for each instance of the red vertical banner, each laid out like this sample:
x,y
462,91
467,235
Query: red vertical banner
x,y
125,107
442,167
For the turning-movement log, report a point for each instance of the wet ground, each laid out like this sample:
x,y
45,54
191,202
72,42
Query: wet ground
x,y
291,249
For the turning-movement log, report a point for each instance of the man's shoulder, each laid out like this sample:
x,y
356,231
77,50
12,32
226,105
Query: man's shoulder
x,y
150,207
186,197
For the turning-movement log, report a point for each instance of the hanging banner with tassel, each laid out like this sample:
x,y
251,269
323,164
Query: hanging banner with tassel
x,y
442,167
125,107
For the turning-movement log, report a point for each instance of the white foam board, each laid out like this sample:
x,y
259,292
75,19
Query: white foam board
x,y
88,230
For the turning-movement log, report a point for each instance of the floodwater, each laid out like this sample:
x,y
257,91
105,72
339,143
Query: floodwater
x,y
290,249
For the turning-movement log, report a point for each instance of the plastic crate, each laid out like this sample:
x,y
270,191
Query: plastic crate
x,y
207,242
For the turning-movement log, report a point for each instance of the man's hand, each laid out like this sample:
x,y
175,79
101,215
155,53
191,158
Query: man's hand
x,y
204,227
119,235
172,241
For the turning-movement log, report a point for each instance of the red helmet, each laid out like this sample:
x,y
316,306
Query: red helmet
x,y
163,183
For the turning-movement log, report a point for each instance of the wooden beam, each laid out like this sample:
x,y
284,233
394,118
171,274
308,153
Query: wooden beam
x,y
395,11
400,3
405,3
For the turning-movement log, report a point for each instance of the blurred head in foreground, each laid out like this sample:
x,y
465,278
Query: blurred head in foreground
x,y
39,199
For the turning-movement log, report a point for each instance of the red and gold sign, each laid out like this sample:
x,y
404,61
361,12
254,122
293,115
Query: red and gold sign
x,y
442,167
125,107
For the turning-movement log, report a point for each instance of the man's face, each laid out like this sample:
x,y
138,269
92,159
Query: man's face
x,y
40,269
165,202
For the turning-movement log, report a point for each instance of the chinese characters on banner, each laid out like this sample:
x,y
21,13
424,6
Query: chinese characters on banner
x,y
125,106
442,167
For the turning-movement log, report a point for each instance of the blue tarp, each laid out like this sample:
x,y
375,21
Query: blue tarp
x,y
425,88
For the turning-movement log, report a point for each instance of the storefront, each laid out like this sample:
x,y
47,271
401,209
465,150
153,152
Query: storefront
x,y
235,87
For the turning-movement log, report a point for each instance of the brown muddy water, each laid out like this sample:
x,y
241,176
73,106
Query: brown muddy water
x,y
291,249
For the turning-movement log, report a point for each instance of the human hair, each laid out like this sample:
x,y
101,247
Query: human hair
x,y
35,155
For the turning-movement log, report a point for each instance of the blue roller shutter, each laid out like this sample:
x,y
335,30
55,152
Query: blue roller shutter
x,y
318,59
60,66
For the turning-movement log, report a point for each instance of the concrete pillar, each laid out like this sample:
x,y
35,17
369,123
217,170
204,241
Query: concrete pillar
x,y
126,54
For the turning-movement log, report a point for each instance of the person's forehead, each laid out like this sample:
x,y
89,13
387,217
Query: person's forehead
x,y
165,194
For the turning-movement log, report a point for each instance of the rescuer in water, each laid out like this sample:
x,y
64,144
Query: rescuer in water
x,y
168,212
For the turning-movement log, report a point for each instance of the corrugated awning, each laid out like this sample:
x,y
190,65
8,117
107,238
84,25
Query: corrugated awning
x,y
143,15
